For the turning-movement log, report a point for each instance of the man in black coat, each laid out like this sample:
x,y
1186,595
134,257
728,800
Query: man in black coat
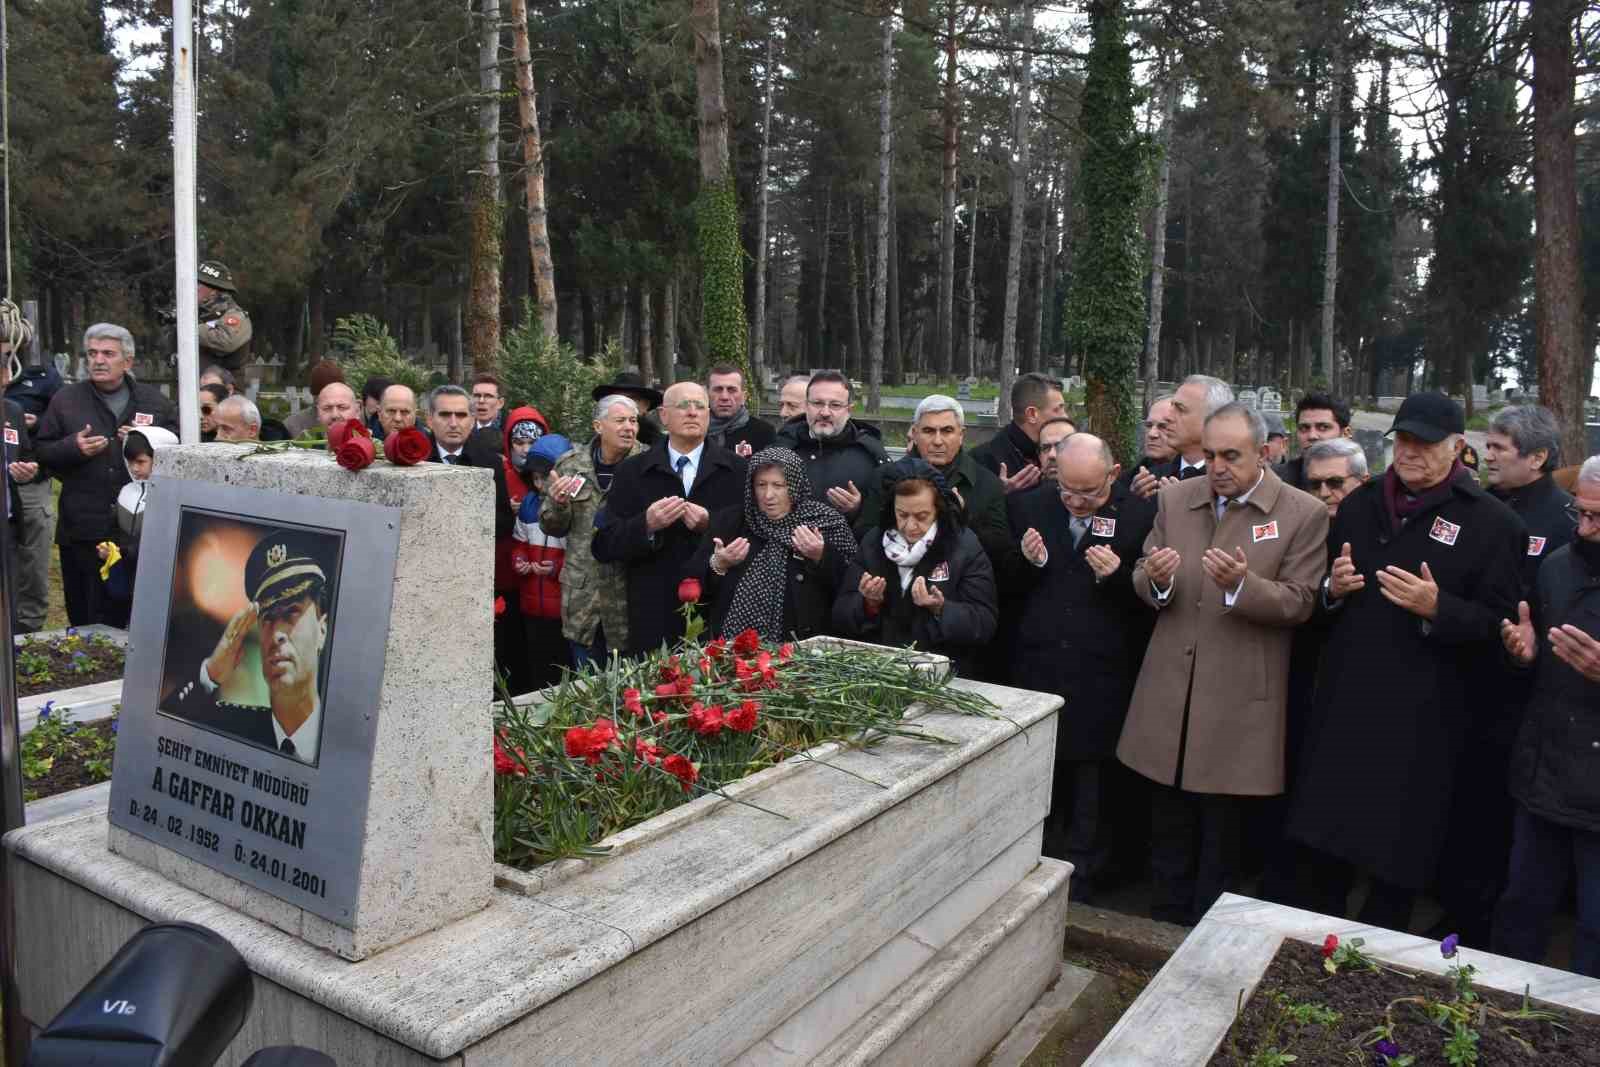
x,y
1012,455
454,442
1082,633
80,441
1522,448
732,425
1317,417
1555,765
1192,404
657,512
841,453
1425,564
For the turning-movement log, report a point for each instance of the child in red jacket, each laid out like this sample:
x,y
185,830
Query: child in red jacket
x,y
537,558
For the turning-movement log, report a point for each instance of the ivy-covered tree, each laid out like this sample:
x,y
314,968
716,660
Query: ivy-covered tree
x,y
1105,306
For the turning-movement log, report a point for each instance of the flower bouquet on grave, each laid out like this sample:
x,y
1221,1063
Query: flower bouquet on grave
x,y
615,745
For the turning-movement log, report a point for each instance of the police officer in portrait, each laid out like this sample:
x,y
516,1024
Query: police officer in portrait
x,y
287,583
224,327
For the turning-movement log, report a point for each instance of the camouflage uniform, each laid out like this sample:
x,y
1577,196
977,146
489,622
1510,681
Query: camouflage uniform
x,y
224,327
592,593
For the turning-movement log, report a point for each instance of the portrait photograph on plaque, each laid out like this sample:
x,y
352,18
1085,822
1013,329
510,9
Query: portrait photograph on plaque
x,y
250,700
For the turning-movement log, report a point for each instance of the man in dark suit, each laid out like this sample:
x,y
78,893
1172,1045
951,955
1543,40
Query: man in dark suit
x,y
285,577
1196,400
1081,633
656,514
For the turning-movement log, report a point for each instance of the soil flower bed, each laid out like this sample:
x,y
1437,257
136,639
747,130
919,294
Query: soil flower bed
x,y
68,660
1332,1004
58,756
611,748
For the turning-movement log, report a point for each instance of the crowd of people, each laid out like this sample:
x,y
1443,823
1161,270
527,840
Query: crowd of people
x,y
1337,688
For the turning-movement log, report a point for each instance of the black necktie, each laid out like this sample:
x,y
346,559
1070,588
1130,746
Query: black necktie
x,y
683,461
450,460
286,746
1185,473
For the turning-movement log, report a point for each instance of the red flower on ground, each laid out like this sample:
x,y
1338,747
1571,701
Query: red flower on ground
x,y
681,769
747,642
705,666
717,648
743,717
646,752
671,670
658,716
1330,944
407,447
689,591
685,686
667,690
763,661
505,763
631,703
786,651
588,743
707,722
499,606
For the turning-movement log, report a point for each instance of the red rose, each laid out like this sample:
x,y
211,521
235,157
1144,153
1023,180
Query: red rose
x,y
1329,945
743,717
747,642
689,591
357,452
341,432
407,447
681,769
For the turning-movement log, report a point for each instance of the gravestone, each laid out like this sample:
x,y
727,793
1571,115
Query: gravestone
x,y
372,826
1250,399
1480,394
1270,400
964,389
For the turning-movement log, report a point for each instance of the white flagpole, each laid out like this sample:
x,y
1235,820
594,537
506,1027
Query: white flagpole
x,y
183,220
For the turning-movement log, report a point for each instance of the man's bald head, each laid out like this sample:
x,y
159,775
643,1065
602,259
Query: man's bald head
x,y
397,408
686,414
336,401
1085,471
1081,447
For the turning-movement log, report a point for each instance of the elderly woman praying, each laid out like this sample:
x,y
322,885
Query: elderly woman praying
x,y
774,564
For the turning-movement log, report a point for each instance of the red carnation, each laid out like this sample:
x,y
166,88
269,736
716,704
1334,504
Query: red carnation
x,y
764,661
717,648
658,716
667,690
631,702
589,743
505,764
406,447
707,722
786,651
646,752
499,606
747,642
681,769
743,717
705,666
689,591
685,686
1330,944
604,729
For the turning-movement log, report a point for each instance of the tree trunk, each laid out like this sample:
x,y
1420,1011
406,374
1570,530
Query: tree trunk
x,y
1330,257
852,359
667,349
1019,205
894,353
1158,242
971,347
880,268
1036,323
456,360
646,332
544,271
945,334
717,212
483,305
820,359
1563,362
758,339
1049,337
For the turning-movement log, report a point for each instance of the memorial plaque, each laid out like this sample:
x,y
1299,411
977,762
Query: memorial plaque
x,y
250,701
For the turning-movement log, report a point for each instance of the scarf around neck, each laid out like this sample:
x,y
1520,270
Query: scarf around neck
x,y
758,599
1403,505
905,555
720,428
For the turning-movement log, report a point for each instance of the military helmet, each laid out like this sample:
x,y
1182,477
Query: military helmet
x,y
215,273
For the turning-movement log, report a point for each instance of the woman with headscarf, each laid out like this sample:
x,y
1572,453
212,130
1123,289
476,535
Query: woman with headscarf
x,y
774,564
922,576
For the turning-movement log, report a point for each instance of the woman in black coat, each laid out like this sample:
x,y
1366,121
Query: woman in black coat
x,y
774,564
922,577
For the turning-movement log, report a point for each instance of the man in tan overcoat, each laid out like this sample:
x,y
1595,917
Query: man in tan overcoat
x,y
1232,567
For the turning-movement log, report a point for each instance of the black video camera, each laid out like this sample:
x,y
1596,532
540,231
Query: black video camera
x,y
175,995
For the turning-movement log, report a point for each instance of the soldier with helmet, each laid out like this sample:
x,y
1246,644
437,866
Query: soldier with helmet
x,y
225,329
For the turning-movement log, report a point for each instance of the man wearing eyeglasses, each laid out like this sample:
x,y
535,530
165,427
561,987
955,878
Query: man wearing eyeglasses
x,y
841,453
656,514
1081,633
1331,470
1556,760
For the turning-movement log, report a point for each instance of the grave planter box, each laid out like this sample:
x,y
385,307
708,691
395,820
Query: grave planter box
x,y
79,703
1181,1017
908,919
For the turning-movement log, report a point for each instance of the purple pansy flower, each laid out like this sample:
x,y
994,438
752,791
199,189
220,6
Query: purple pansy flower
x,y
114,724
72,631
1385,1050
1447,947
45,712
